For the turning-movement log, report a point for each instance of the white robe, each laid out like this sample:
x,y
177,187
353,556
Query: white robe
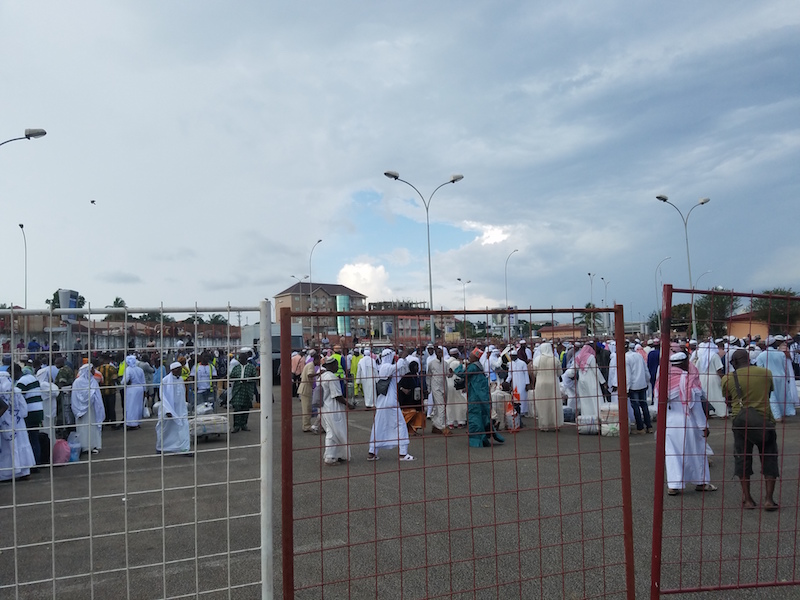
x,y
590,395
334,419
366,372
50,408
685,447
519,379
389,428
437,384
456,408
16,454
172,434
89,411
134,395
712,383
780,401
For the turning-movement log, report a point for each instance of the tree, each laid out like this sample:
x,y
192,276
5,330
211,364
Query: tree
x,y
652,321
780,313
593,321
194,319
54,303
217,320
117,303
713,314
154,317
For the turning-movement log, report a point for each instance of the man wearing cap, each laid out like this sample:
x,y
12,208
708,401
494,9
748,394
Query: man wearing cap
x,y
243,384
172,427
774,360
520,381
333,414
747,390
366,373
437,383
686,426
636,377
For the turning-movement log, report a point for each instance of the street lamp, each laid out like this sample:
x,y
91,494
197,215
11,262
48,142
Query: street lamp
x,y
25,241
605,302
658,297
427,204
464,285
591,301
30,134
696,281
701,202
505,271
310,286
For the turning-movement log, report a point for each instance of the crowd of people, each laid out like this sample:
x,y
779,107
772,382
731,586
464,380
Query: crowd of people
x,y
43,399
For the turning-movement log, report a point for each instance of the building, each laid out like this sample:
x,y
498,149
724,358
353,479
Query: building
x,y
324,298
564,332
410,328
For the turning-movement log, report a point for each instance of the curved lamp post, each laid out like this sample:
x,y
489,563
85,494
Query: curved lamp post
x,y
25,242
464,285
505,277
605,303
310,285
30,134
591,300
696,281
701,202
427,204
658,298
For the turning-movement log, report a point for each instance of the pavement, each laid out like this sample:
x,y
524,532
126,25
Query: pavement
x,y
538,517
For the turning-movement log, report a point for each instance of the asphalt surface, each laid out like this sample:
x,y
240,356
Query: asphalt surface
x,y
538,517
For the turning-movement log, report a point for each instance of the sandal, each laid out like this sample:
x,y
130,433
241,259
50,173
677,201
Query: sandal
x,y
709,487
407,458
373,457
673,492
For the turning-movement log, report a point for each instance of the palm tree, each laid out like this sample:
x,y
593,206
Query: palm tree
x,y
217,320
591,320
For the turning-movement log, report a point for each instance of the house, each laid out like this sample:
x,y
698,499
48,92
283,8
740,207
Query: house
x,y
565,332
321,298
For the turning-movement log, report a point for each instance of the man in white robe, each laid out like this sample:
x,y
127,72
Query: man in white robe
x,y
333,414
172,428
366,372
456,407
133,380
389,428
87,406
774,358
709,364
685,448
16,454
520,382
437,375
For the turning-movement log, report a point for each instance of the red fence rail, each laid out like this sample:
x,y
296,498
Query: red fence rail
x,y
544,515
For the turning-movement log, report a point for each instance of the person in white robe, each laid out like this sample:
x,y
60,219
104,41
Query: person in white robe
x,y
520,382
389,428
50,409
333,414
568,387
172,427
774,358
456,408
686,460
16,454
709,364
134,382
589,378
366,372
437,376
547,390
87,406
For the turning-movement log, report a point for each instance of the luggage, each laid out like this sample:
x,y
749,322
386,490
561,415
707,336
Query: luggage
x,y
206,408
609,429
204,426
569,414
588,425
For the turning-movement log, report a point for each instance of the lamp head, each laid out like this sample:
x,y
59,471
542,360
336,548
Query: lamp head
x,y
662,197
392,175
455,178
35,133
21,226
704,200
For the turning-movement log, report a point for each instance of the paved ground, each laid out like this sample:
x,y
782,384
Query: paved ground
x,y
488,511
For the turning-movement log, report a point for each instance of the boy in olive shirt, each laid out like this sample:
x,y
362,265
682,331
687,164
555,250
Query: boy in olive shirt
x,y
746,391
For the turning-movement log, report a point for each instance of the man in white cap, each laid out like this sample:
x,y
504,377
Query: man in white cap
x,y
172,427
774,359
685,448
366,373
333,414
437,375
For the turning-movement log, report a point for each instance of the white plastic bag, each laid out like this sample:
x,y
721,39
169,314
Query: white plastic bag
x,y
146,412
512,417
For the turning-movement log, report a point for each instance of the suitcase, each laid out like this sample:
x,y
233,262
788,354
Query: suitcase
x,y
204,426
569,414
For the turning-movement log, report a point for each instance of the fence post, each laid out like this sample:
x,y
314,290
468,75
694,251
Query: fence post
x,y
661,436
265,381
287,474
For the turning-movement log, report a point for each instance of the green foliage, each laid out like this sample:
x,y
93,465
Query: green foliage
x,y
54,303
154,317
217,320
782,314
592,321
713,313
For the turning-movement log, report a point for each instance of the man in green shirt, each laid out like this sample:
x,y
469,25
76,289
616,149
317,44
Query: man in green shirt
x,y
747,391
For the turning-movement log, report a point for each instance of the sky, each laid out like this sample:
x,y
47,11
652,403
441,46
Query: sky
x,y
220,141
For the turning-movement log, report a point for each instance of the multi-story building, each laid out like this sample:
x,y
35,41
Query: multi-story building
x,y
406,328
321,298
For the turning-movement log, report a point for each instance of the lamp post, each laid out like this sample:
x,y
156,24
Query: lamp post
x,y
464,285
701,202
591,302
696,281
25,242
30,134
310,286
605,302
658,298
505,277
427,204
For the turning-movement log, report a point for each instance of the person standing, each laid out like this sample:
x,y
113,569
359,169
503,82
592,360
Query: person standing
x,y
636,375
774,360
28,385
109,391
172,428
243,382
356,358
16,454
133,381
333,415
437,384
589,380
747,390
547,391
479,403
365,377
686,429
389,427
520,384
456,407
204,374
306,390
709,364
409,397
298,362
87,406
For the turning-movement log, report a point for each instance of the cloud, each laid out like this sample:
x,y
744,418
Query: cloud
x,y
368,279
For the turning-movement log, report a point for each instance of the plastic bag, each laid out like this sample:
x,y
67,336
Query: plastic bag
x,y
512,417
74,447
146,412
60,452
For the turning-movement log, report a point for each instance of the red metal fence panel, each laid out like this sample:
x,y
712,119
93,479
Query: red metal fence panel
x,y
546,514
707,533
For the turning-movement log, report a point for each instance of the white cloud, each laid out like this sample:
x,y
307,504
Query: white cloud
x,y
370,280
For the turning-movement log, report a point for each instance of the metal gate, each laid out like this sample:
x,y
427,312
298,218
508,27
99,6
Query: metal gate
x,y
545,515
128,522
710,540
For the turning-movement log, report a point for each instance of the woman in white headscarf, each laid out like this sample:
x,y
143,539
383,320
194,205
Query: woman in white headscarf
x,y
708,362
134,392
389,427
16,454
547,391
87,406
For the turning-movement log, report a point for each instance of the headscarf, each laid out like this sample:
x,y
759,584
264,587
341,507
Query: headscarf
x,y
704,351
686,383
582,357
83,392
130,360
543,350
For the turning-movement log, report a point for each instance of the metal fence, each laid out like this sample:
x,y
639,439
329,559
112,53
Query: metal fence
x,y
128,521
713,538
547,514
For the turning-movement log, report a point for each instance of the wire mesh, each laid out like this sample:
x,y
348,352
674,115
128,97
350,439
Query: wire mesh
x,y
129,521
718,539
545,514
